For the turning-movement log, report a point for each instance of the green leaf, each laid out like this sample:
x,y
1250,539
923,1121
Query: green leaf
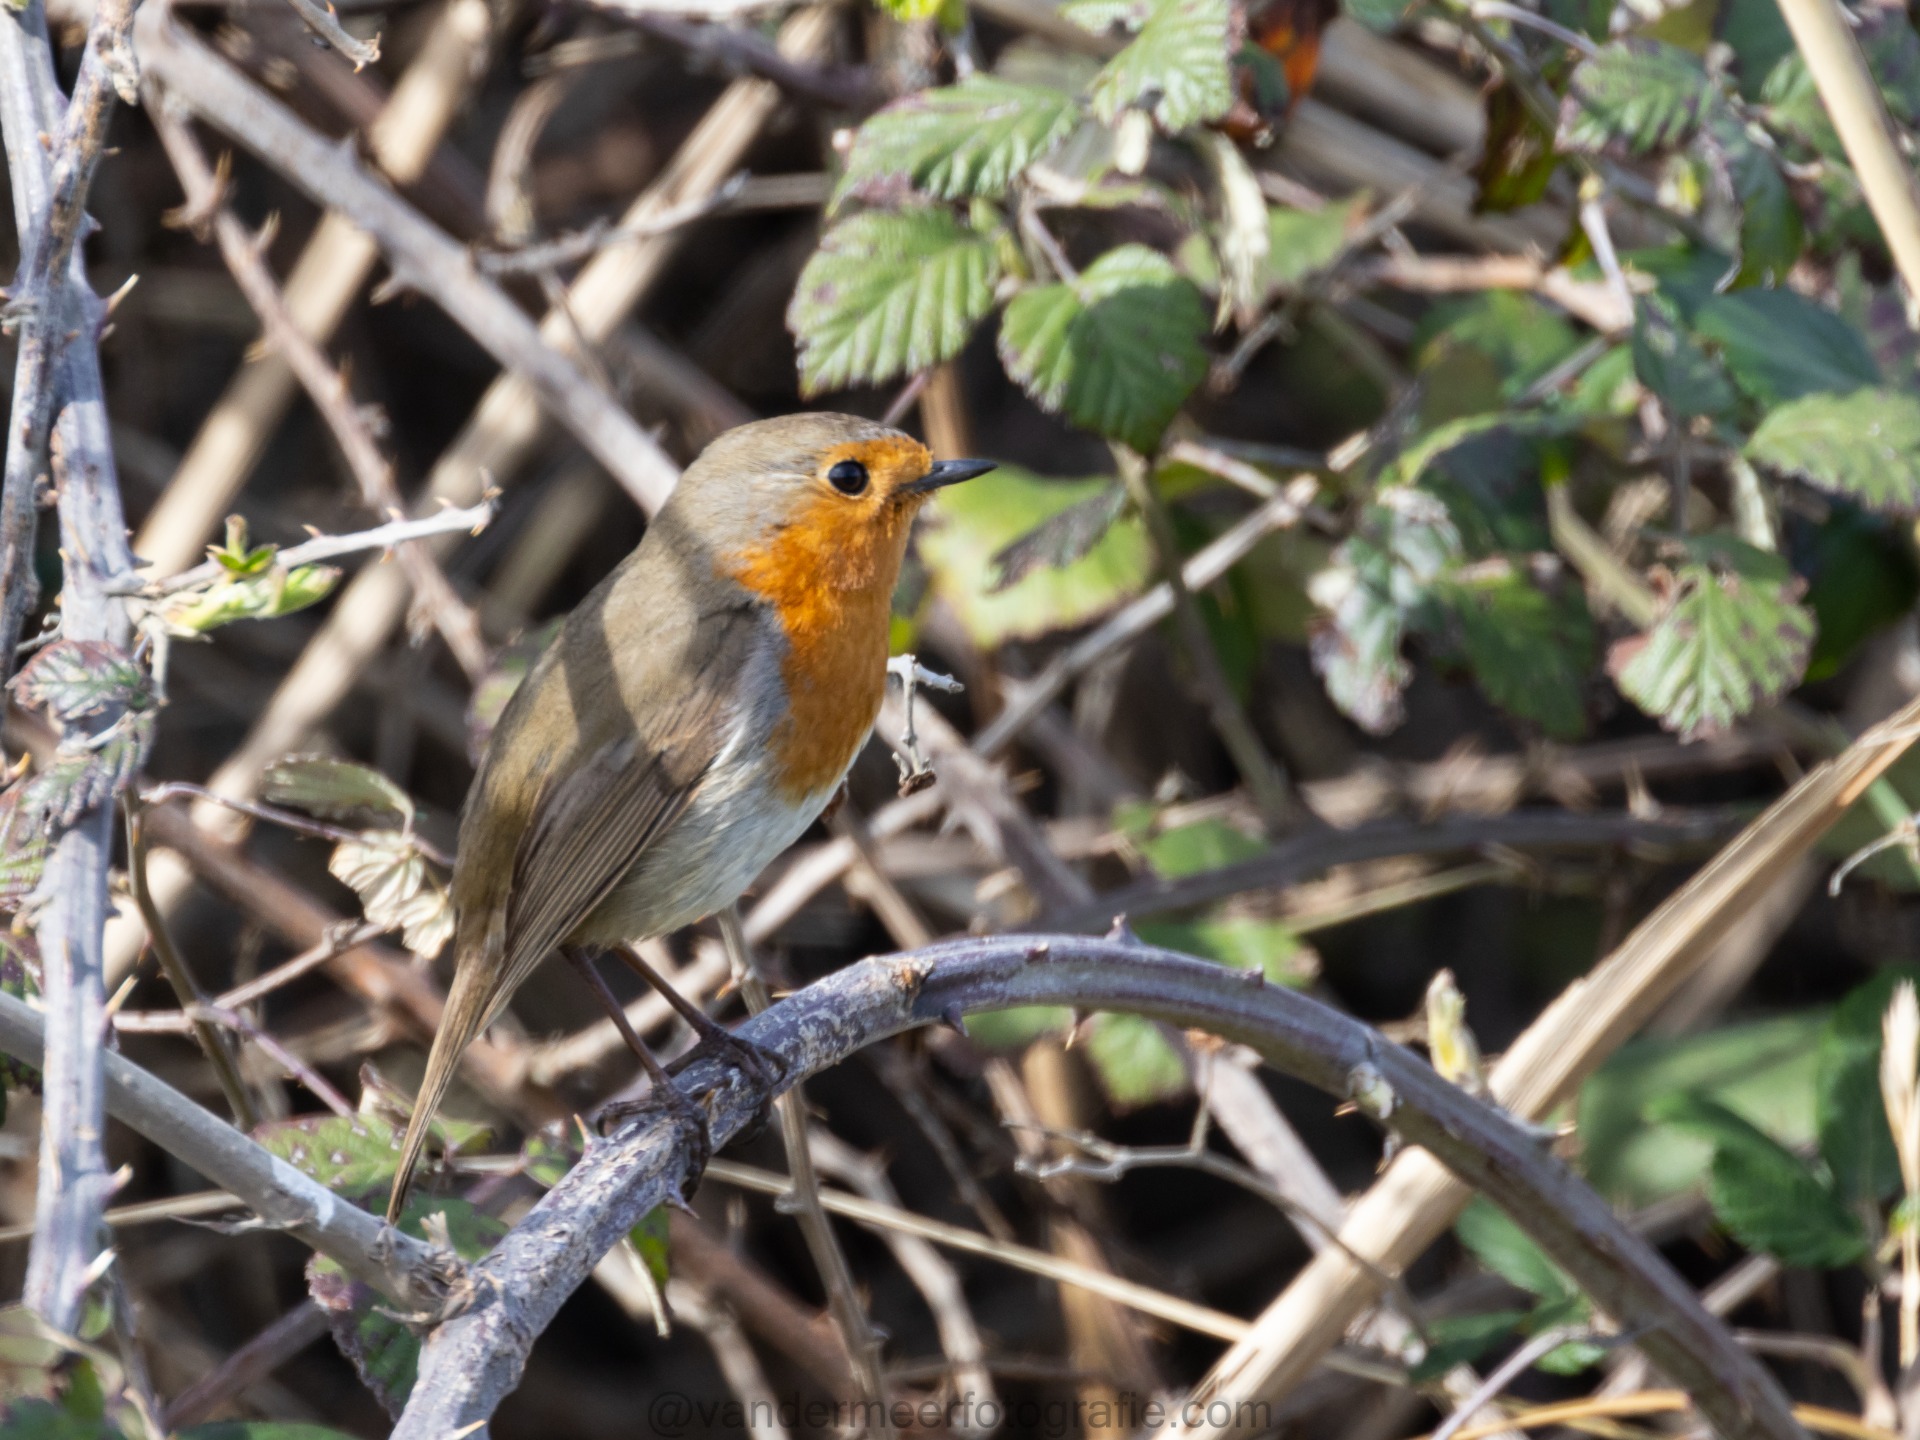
x,y
355,1156
1193,849
909,11
1118,351
1133,1060
1766,1196
975,523
1379,577
1854,1139
1507,1250
1461,1340
1771,231
1060,540
1641,94
1302,243
1724,644
71,679
1013,1027
1861,578
956,141
334,789
265,596
384,1351
890,293
386,870
1176,67
1674,366
1240,942
1864,445
1529,650
1780,345
23,846
1762,1069
84,776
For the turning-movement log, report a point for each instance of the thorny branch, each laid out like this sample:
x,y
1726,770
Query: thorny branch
x,y
470,1363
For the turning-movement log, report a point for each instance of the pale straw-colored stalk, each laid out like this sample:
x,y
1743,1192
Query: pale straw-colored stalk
x,y
1900,1090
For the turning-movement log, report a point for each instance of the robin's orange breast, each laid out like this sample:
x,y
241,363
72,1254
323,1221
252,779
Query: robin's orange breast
x,y
829,575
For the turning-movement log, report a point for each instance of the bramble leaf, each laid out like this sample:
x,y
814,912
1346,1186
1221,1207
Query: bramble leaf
x,y
384,1352
1057,542
385,869
1642,94
969,139
979,523
1854,1139
333,789
1529,650
1378,579
1864,445
1674,366
1118,351
1723,644
72,679
889,293
1766,1196
1779,345
1176,67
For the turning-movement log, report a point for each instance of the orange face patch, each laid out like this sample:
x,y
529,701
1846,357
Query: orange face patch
x,y
829,573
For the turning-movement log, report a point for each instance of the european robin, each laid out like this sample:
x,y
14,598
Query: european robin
x,y
692,718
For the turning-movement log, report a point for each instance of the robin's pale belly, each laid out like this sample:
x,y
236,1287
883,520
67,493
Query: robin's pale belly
x,y
736,823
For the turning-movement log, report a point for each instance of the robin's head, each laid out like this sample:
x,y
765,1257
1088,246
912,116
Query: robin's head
x,y
809,502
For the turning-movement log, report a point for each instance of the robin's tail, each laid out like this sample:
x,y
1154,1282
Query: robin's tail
x,y
469,1008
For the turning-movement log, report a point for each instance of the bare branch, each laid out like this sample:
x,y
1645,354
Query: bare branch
x,y
474,1360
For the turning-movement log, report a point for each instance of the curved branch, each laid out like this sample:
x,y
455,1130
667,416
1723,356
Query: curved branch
x,y
474,1360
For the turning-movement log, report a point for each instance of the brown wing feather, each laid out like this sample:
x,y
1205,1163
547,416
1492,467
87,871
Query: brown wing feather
x,y
600,805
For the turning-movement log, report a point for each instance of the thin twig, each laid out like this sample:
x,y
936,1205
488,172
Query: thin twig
x,y
245,255
326,24
421,255
185,988
803,1201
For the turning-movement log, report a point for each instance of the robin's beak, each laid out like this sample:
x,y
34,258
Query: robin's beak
x,y
945,473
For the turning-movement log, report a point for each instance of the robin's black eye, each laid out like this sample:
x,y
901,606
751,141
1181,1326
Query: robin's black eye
x,y
849,477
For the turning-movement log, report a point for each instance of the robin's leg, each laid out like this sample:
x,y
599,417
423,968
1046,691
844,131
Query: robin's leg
x,y
691,1116
760,1065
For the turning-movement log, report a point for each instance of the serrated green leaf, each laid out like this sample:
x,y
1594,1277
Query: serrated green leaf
x,y
1641,94
1855,1142
955,141
1118,351
974,523
1674,366
83,777
1061,539
889,293
23,846
1771,230
71,679
1723,645
1135,1064
1864,445
1768,1198
1369,595
352,1155
1763,1069
1779,345
333,789
1529,650
1176,67
384,1351
1507,1250
386,870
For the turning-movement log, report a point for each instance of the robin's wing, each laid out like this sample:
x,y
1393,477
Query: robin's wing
x,y
591,825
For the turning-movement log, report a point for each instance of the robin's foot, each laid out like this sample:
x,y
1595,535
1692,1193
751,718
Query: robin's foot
x,y
691,1118
765,1070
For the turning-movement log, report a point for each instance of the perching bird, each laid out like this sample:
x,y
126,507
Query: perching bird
x,y
692,718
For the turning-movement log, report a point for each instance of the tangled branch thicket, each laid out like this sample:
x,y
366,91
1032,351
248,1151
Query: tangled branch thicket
x,y
1449,583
